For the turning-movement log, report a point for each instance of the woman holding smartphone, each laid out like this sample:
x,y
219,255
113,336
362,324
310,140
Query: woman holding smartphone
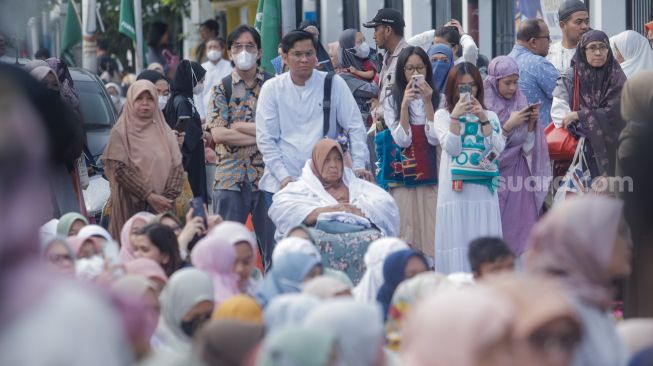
x,y
471,140
524,189
406,149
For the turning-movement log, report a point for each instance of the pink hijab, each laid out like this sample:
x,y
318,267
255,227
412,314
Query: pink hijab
x,y
126,247
453,327
145,267
235,232
575,240
217,256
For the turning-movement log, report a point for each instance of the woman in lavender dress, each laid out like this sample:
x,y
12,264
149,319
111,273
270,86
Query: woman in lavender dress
x,y
524,164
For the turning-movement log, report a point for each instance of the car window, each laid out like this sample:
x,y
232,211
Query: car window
x,y
94,105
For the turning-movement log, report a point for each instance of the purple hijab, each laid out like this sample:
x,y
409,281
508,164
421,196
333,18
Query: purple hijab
x,y
501,67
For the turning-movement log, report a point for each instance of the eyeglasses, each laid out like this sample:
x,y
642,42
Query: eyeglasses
x,y
59,258
237,47
547,37
300,55
411,68
601,48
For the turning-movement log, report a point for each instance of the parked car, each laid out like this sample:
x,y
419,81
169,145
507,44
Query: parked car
x,y
99,118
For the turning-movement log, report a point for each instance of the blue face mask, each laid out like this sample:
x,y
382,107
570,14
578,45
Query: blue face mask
x,y
440,73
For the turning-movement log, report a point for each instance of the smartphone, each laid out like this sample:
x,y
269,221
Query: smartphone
x,y
182,122
465,92
416,79
534,105
198,209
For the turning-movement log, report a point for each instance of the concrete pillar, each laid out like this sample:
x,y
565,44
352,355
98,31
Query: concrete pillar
x,y
417,15
367,10
608,16
485,20
331,21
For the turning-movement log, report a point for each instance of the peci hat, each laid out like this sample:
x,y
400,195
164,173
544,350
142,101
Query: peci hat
x,y
386,16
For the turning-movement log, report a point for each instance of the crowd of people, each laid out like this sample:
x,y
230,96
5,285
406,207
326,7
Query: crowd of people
x,y
355,208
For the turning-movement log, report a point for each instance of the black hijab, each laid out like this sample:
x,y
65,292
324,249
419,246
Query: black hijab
x,y
322,55
152,76
188,74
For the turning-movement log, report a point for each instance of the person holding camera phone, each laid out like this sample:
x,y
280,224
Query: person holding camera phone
x,y
521,206
142,159
406,150
468,204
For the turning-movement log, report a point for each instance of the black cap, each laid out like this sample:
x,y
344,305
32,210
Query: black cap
x,y
386,16
570,7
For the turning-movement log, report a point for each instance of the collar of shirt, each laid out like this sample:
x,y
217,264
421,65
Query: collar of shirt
x,y
235,76
400,46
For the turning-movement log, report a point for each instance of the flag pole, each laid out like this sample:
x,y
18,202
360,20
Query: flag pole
x,y
138,24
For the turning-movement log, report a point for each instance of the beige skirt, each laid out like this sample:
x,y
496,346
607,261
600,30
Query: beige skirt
x,y
417,207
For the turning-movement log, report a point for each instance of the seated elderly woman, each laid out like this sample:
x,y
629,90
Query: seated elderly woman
x,y
344,213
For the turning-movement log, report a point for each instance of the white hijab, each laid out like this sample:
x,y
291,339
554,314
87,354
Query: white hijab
x,y
186,288
372,279
288,309
635,50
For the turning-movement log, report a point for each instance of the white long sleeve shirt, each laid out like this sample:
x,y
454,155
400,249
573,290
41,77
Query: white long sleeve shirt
x,y
289,121
470,49
417,116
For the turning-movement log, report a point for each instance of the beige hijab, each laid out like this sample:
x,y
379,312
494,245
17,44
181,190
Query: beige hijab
x,y
147,146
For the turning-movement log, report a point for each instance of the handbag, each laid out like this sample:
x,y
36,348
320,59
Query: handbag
x,y
577,180
562,144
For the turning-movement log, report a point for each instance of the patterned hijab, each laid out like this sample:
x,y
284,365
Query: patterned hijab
x,y
600,91
66,86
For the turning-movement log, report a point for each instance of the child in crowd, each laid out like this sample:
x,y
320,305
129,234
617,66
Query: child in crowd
x,y
490,256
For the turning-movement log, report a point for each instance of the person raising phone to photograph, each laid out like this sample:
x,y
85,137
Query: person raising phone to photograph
x,y
471,140
406,150
142,160
521,205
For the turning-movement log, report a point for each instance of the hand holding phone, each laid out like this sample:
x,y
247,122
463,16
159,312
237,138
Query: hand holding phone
x,y
198,209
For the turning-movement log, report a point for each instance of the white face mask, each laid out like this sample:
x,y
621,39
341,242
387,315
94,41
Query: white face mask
x,y
245,60
163,100
198,89
363,50
214,55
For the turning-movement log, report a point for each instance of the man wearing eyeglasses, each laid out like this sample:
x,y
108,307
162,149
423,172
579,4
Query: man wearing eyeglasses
x,y
289,115
231,120
574,21
537,76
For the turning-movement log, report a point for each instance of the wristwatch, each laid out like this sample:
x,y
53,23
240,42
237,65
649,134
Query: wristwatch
x,y
484,123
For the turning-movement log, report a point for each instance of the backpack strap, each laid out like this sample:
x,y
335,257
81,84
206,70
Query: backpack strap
x,y
226,83
326,104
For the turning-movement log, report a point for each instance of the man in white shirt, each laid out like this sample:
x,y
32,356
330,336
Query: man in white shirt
x,y
289,115
453,35
574,21
217,69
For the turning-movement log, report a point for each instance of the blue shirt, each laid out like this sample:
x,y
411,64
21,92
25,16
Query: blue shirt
x,y
537,79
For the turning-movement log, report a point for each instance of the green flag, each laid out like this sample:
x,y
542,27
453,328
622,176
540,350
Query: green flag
x,y
127,24
270,31
259,16
72,34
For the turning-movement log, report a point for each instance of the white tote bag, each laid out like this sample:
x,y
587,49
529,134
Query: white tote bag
x,y
577,181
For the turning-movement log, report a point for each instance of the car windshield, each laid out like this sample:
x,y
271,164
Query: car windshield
x,y
93,104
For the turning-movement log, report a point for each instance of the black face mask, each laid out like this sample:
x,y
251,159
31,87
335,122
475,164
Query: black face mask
x,y
191,326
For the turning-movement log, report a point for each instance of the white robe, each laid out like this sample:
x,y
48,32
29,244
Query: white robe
x,y
462,216
297,200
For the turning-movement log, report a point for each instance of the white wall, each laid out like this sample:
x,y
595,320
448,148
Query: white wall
x,y
332,23
485,20
608,16
417,15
